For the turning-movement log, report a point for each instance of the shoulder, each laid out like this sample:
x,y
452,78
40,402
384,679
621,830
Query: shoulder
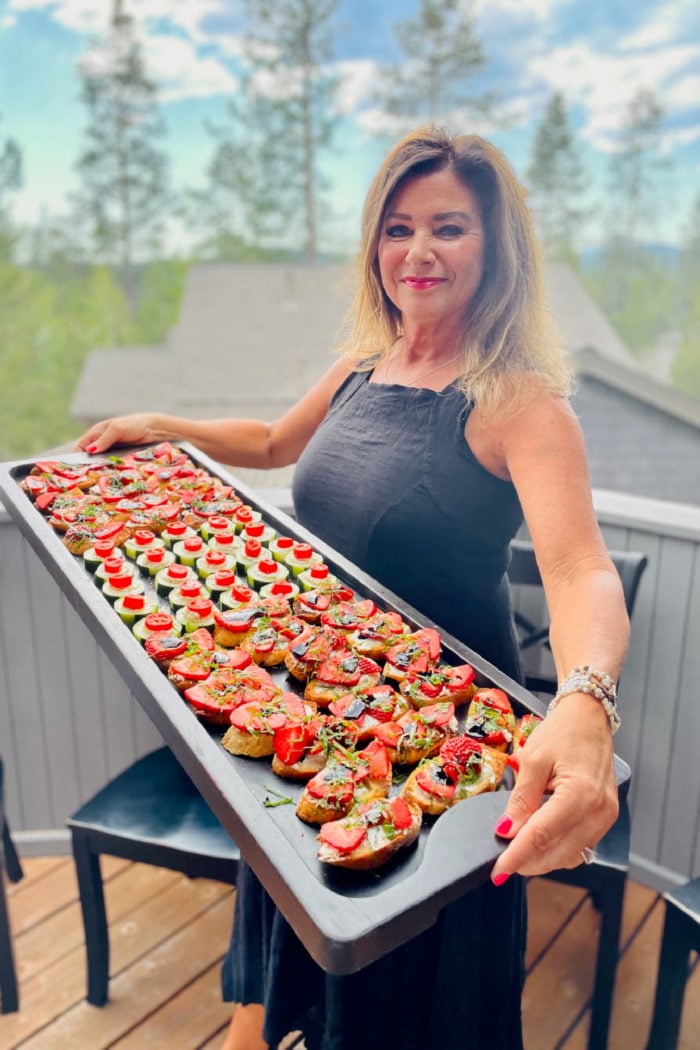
x,y
532,424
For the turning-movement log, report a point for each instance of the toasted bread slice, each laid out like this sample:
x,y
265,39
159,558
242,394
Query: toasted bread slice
x,y
348,778
253,725
418,734
370,835
490,719
440,782
443,683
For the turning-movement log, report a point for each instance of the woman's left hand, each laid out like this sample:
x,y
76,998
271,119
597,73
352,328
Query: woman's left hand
x,y
569,757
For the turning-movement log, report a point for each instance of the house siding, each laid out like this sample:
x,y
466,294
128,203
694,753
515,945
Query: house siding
x,y
635,447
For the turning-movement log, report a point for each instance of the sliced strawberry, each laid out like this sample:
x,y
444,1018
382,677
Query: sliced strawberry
x,y
44,500
460,677
381,702
335,783
460,748
291,741
378,760
432,784
238,659
494,698
389,733
340,668
429,640
348,706
202,638
341,836
167,648
401,813
430,686
194,668
438,714
369,667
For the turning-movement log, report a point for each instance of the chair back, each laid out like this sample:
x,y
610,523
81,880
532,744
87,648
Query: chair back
x,y
524,571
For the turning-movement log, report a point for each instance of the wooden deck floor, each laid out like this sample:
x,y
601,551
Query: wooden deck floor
x,y
168,935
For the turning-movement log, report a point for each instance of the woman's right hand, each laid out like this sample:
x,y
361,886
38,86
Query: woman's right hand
x,y
138,429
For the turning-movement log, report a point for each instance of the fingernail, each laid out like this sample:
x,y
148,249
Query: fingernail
x,y
498,880
91,448
504,825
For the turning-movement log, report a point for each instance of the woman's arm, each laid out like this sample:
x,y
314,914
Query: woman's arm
x,y
238,442
570,754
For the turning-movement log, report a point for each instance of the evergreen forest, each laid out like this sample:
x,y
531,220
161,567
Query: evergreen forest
x,y
101,274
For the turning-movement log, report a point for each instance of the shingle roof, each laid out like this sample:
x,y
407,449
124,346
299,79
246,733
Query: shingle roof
x,y
252,339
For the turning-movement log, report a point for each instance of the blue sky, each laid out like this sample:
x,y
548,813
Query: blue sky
x,y
599,52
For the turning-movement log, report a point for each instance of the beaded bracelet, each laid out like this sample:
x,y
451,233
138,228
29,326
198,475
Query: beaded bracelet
x,y
595,683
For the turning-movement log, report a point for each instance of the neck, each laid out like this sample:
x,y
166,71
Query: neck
x,y
429,343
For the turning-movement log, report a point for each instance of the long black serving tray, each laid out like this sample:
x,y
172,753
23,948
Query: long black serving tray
x,y
345,919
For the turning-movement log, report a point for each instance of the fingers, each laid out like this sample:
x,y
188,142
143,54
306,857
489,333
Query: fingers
x,y
136,429
557,808
96,439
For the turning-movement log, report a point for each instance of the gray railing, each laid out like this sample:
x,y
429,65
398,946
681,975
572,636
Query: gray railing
x,y
68,723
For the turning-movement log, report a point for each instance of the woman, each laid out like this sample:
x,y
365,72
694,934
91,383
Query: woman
x,y
418,453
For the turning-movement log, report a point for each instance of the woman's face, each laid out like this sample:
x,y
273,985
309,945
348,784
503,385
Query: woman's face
x,y
431,249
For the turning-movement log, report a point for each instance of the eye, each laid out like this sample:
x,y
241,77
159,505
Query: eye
x,y
450,230
397,230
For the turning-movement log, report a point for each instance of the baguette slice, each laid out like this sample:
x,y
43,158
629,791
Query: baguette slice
x,y
462,769
302,748
442,683
490,719
418,734
370,835
253,725
342,671
348,778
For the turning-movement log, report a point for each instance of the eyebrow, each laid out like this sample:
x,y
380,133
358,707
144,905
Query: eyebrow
x,y
438,217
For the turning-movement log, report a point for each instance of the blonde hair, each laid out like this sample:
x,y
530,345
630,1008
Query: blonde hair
x,y
510,333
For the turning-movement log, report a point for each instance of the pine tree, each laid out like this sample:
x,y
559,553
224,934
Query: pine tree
x,y
265,178
442,56
124,197
685,371
11,178
557,181
636,168
632,285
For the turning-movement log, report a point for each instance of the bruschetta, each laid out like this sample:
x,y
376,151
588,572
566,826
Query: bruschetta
x,y
370,834
417,653
418,734
348,778
463,768
490,719
253,725
443,683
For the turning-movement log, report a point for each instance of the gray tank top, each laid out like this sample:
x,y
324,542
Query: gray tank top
x,y
389,481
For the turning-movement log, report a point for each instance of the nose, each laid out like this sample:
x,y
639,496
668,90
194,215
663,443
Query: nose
x,y
420,248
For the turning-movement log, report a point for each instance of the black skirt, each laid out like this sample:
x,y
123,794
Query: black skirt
x,y
456,985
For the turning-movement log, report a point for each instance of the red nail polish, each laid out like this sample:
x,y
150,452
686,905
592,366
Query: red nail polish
x,y
498,880
504,825
91,449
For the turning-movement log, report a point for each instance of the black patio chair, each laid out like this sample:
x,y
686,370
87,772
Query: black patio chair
x,y
9,862
605,878
681,936
151,813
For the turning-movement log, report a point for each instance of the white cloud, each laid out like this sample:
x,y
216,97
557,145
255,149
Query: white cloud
x,y
541,10
357,80
604,84
183,73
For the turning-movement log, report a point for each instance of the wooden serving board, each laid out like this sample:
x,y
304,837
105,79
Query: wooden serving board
x,y
345,919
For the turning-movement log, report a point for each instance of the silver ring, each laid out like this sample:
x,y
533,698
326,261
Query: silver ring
x,y
588,854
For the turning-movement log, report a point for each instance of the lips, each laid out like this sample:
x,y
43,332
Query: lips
x,y
422,283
